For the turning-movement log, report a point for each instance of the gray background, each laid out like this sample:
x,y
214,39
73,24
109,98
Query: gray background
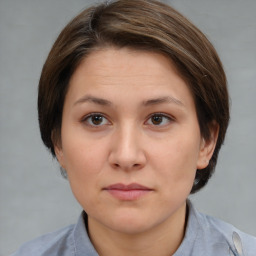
x,y
34,198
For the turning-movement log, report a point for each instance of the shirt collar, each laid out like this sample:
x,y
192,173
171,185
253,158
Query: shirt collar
x,y
190,233
83,245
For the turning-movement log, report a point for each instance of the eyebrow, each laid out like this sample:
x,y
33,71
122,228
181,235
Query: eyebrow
x,y
93,99
161,100
104,102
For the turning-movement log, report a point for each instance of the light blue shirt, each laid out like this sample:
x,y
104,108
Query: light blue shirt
x,y
205,236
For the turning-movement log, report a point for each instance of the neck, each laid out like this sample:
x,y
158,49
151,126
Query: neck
x,y
162,240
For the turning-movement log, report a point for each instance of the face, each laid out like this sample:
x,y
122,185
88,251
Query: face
x,y
130,139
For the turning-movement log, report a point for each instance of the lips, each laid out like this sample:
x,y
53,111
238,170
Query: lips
x,y
128,192
133,186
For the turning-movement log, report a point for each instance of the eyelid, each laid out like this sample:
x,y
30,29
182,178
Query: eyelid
x,y
164,115
161,114
86,117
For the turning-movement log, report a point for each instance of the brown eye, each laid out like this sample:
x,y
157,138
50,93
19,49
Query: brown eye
x,y
96,120
159,120
156,120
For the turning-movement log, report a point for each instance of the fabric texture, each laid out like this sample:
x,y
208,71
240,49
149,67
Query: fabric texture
x,y
204,235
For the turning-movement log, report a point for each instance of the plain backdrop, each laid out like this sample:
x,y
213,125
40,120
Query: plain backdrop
x,y
34,198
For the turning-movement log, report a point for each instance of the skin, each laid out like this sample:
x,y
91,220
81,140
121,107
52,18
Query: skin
x,y
145,131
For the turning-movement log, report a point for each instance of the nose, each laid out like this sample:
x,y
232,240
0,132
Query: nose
x,y
127,149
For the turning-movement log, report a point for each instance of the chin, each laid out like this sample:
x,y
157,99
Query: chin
x,y
131,227
130,223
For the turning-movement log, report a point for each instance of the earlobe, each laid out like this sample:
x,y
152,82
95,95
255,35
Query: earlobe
x,y
58,150
207,147
60,156
58,153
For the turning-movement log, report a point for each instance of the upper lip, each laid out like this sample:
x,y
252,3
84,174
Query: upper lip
x,y
132,186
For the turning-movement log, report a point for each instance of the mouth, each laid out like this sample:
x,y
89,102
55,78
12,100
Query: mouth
x,y
128,192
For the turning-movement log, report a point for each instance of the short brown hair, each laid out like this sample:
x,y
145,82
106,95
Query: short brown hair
x,y
144,25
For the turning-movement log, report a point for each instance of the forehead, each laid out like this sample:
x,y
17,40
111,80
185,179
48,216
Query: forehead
x,y
126,58
111,62
111,71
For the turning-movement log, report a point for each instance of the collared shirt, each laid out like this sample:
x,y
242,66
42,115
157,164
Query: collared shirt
x,y
204,235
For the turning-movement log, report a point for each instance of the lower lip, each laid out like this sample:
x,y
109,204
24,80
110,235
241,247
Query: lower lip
x,y
128,195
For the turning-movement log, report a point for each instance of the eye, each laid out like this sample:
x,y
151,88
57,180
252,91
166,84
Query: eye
x,y
95,120
159,119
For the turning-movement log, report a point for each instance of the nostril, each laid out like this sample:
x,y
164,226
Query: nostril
x,y
128,167
116,165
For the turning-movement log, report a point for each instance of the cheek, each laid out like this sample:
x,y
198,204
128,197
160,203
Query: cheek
x,y
82,153
84,170
85,162
176,152
175,162
85,165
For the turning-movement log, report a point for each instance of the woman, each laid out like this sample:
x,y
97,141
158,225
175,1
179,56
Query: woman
x,y
133,103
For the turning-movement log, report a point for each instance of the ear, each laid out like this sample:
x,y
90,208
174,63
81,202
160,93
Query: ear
x,y
60,156
58,150
207,146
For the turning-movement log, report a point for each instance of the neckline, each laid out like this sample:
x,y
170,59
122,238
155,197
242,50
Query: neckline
x,y
83,243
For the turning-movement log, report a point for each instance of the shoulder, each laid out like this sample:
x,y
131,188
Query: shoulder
x,y
72,240
56,243
222,234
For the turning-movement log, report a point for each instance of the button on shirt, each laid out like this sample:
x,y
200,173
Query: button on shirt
x,y
204,235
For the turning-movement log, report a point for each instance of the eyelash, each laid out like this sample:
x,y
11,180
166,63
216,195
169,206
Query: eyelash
x,y
91,115
168,118
86,119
